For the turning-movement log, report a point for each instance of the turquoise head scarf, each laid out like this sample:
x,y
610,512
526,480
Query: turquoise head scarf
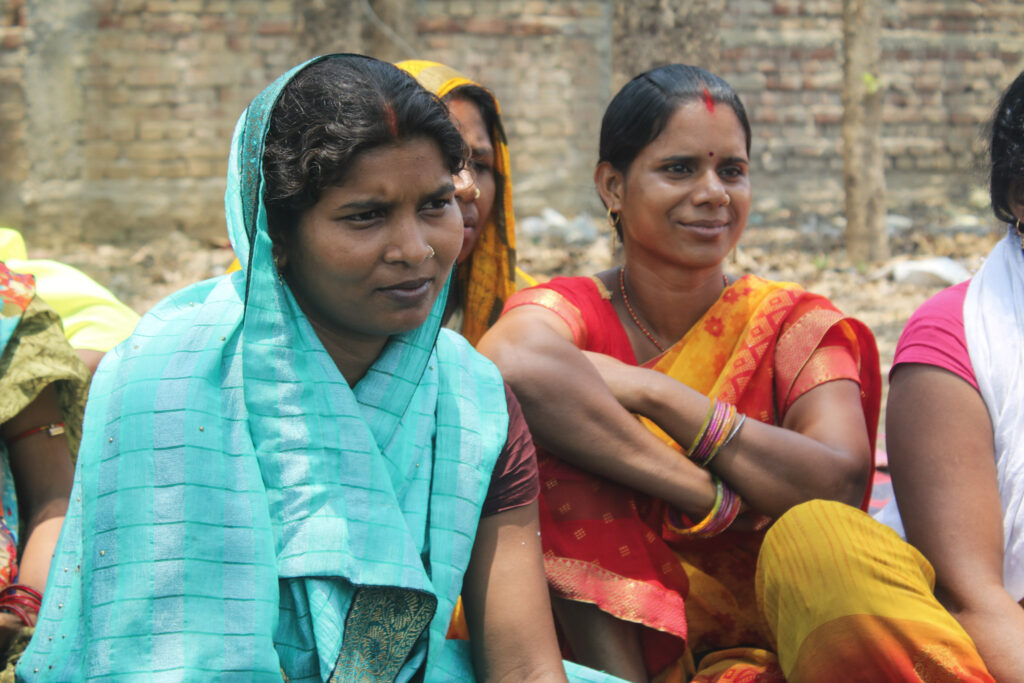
x,y
239,509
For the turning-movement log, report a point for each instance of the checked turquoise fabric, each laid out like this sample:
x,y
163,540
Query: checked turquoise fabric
x,y
240,513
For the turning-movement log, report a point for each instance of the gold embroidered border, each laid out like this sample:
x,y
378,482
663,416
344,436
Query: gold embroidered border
x,y
624,598
557,304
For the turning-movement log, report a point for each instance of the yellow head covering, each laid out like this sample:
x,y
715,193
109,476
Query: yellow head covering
x,y
487,278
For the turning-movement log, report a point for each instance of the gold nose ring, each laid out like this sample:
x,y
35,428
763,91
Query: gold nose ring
x,y
476,193
431,254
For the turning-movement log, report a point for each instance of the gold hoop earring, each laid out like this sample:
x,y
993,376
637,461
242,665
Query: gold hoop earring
x,y
613,220
1020,232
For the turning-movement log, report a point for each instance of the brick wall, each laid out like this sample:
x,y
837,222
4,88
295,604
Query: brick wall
x,y
549,64
116,115
13,161
944,64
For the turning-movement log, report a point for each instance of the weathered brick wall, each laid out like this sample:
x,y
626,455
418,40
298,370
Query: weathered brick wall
x,y
549,64
125,110
115,115
13,161
944,64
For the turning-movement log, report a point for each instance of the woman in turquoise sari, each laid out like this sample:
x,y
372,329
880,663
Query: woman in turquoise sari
x,y
290,470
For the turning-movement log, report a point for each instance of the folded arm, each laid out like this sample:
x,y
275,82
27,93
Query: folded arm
x,y
572,412
580,406
821,450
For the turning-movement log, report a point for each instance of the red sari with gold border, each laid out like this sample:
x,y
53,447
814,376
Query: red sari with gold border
x,y
760,347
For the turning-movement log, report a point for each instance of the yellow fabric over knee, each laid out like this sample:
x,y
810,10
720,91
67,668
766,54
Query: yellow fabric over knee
x,y
845,597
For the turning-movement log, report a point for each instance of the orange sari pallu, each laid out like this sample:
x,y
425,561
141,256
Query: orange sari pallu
x,y
760,347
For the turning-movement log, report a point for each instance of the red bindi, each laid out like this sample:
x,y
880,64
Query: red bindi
x,y
711,154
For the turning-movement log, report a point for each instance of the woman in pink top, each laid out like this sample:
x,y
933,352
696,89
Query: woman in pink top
x,y
955,425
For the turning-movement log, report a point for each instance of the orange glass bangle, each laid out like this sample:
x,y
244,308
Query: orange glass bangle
x,y
696,529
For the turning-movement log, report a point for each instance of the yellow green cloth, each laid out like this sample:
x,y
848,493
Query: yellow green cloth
x,y
92,316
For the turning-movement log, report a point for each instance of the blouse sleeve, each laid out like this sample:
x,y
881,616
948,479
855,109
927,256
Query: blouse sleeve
x,y
934,335
515,481
556,302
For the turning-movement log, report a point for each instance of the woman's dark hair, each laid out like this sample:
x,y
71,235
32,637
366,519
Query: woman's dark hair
x,y
330,113
1006,148
488,108
641,109
639,112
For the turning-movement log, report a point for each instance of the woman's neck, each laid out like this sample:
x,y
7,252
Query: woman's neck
x,y
353,356
667,301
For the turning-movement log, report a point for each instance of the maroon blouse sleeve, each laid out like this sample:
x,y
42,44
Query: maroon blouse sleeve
x,y
514,481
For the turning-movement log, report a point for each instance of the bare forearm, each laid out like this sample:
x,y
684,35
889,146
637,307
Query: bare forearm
x,y
41,465
42,539
996,625
772,468
506,599
572,413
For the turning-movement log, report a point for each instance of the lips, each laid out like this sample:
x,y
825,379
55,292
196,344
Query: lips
x,y
707,224
408,285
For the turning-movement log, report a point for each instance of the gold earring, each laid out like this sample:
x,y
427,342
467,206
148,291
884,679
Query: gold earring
x,y
1020,233
613,220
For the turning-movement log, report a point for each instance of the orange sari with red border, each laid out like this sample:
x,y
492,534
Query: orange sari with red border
x,y
760,346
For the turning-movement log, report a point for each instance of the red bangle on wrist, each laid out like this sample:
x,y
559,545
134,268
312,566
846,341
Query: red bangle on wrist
x,y
22,601
53,429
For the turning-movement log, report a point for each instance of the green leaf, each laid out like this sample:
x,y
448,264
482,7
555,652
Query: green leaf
x,y
870,82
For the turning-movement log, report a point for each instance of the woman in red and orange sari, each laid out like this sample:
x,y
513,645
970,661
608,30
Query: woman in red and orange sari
x,y
752,397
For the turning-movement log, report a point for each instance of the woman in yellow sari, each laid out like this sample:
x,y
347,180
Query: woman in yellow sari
x,y
486,274
753,397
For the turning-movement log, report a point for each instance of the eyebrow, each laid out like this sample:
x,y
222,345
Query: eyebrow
x,y
690,158
481,151
445,188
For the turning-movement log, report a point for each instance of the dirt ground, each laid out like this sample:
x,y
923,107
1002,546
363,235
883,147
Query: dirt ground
x,y
144,275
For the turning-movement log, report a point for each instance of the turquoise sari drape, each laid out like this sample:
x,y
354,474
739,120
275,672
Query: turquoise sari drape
x,y
237,507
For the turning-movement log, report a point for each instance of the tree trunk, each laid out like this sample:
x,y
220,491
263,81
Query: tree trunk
x,y
649,33
389,29
330,26
863,160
